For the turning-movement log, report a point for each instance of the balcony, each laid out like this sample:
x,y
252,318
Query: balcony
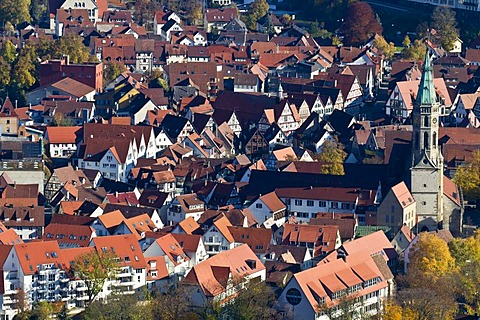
x,y
9,300
10,291
81,288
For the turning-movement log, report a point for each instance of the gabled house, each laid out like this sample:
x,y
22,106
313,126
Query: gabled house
x,y
217,19
183,207
402,239
61,141
250,142
258,239
170,27
66,87
275,137
169,248
313,133
9,120
161,18
193,246
176,128
279,155
269,210
214,277
320,240
133,267
397,209
218,238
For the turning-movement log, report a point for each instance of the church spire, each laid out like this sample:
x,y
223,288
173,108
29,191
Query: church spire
x,y
426,89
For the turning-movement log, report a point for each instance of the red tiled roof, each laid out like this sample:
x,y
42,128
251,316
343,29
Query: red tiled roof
x,y
125,247
257,239
273,202
402,194
62,134
68,235
212,275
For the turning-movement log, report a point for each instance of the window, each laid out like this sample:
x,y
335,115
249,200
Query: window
x,y
293,296
322,204
387,219
392,209
334,205
258,206
426,121
425,141
298,202
309,203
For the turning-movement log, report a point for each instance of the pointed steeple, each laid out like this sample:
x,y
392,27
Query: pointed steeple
x,y
426,90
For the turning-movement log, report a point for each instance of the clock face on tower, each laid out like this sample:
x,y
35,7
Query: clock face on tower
x,y
434,120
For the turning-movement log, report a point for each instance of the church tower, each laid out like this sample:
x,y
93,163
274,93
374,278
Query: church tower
x,y
427,160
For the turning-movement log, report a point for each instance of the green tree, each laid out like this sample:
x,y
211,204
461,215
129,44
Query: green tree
x,y
94,269
41,310
63,313
429,302
119,307
8,51
9,29
173,304
24,70
59,120
416,51
72,45
255,301
38,9
257,9
336,41
430,258
5,69
423,30
331,158
15,11
360,24
469,286
445,24
112,71
467,177
467,256
388,48
406,41
465,250
393,311
431,287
